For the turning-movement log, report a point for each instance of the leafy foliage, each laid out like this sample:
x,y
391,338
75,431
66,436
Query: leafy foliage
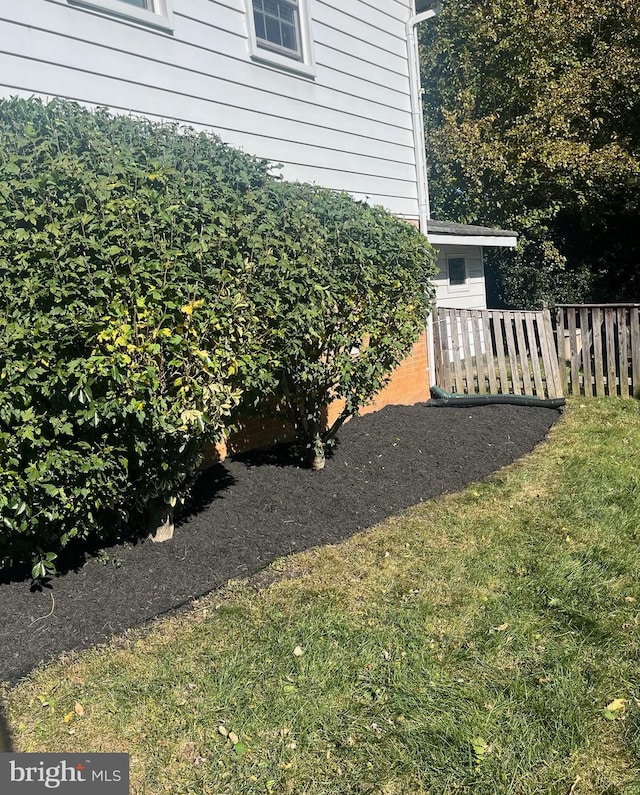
x,y
344,294
123,314
532,124
149,277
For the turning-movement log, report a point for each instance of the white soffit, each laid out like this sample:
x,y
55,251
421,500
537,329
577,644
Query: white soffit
x,y
506,241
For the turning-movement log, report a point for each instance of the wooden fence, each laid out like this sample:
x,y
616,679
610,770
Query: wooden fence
x,y
496,352
599,348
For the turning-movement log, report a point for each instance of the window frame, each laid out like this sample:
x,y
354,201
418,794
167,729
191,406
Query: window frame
x,y
460,286
272,55
160,15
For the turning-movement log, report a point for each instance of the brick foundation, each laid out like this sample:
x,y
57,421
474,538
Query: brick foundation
x,y
409,384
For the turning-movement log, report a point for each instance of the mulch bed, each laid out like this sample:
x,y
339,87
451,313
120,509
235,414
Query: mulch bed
x,y
257,507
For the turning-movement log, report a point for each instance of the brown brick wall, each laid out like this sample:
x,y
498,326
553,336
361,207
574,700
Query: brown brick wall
x,y
409,383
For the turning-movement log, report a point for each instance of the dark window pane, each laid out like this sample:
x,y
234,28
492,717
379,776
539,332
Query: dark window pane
x,y
139,3
273,31
457,271
289,37
261,33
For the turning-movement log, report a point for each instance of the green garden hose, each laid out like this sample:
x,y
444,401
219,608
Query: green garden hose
x,y
442,399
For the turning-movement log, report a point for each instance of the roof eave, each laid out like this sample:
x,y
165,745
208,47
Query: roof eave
x,y
501,241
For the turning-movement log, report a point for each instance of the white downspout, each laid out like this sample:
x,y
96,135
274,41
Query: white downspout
x,y
415,94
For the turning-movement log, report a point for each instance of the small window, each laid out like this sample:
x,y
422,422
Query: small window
x,y
457,271
154,13
277,25
280,34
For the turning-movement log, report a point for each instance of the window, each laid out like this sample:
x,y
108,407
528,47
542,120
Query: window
x,y
457,271
154,13
277,24
279,34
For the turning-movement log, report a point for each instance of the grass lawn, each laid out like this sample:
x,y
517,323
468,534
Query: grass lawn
x,y
470,645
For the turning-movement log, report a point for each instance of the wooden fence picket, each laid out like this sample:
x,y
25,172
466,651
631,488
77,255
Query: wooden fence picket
x,y
480,355
535,361
634,326
523,354
599,348
623,350
466,351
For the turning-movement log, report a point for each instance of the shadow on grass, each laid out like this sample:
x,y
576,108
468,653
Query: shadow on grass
x,y
5,736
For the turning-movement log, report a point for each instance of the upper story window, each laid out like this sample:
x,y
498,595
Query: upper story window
x,y
279,34
277,24
154,13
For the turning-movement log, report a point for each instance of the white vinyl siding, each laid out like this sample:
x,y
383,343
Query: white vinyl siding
x,y
348,126
470,295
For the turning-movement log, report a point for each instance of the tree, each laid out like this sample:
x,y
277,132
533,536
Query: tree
x,y
531,113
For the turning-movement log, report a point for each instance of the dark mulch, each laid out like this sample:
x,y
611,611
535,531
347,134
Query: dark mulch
x,y
260,506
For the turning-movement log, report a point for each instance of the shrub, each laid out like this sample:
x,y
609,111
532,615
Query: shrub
x,y
125,322
344,294
151,275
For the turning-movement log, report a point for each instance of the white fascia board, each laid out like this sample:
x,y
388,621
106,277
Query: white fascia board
x,y
473,240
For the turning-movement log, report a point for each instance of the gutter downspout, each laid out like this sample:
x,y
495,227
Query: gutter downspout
x,y
415,95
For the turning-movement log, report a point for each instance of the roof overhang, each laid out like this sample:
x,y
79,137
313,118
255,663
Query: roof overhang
x,y
449,233
427,5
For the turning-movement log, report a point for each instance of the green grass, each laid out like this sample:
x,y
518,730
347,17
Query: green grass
x,y
470,645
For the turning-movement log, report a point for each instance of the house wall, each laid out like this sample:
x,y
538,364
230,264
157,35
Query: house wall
x,y
347,128
473,294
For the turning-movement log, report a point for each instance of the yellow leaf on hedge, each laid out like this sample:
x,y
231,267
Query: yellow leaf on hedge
x,y
68,717
616,705
188,308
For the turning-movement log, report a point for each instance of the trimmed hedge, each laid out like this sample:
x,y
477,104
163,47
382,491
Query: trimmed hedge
x,y
344,291
124,314
151,278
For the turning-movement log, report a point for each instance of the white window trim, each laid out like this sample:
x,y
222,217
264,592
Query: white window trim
x,y
458,288
161,17
306,66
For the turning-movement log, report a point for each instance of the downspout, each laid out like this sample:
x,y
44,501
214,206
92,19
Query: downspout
x,y
415,95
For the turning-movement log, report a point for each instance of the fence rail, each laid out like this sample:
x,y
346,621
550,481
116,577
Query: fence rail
x,y
599,348
495,351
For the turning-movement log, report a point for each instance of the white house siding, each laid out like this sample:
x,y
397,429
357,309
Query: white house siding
x,y
473,294
349,128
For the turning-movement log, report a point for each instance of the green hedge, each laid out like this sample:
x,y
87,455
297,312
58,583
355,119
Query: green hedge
x,y
344,292
124,314
151,278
